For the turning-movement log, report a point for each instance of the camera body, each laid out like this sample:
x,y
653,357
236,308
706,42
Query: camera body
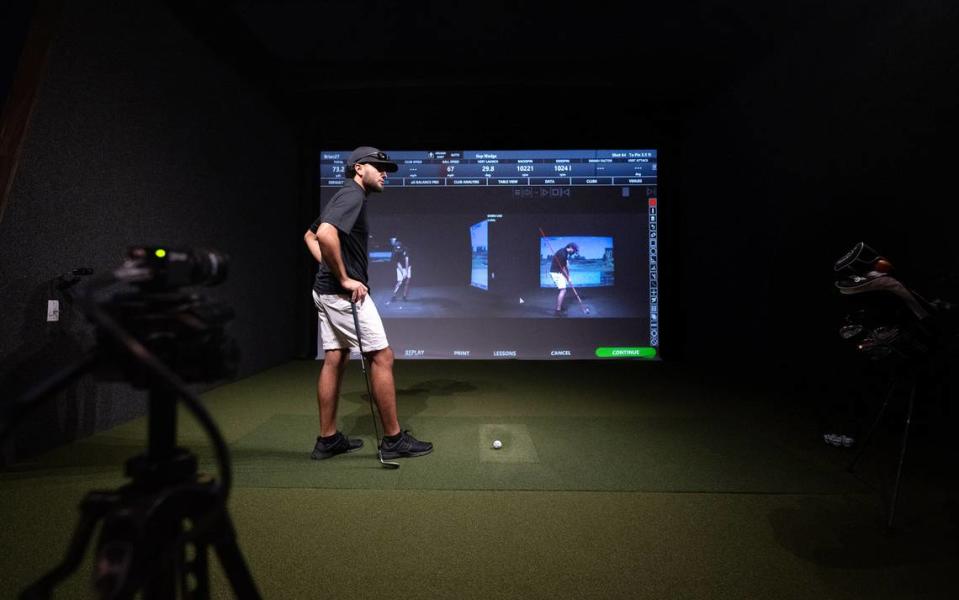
x,y
186,331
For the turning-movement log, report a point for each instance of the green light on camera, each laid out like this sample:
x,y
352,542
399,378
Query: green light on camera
x,y
160,252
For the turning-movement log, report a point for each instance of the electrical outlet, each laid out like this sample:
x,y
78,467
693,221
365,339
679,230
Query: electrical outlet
x,y
53,310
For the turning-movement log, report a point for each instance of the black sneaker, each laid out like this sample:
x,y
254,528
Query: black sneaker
x,y
338,445
405,447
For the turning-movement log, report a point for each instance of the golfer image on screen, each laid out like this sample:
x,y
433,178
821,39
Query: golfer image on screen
x,y
559,272
400,259
338,241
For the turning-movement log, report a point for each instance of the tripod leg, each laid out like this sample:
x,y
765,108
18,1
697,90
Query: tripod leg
x,y
902,457
234,565
195,572
94,506
873,427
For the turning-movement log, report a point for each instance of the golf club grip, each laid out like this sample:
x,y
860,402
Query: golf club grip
x,y
356,324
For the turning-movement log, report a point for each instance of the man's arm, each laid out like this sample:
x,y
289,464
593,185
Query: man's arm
x,y
328,239
313,244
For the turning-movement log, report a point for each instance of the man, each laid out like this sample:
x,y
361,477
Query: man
x,y
337,240
559,271
400,257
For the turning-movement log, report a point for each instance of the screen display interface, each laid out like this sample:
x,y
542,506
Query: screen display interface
x,y
523,254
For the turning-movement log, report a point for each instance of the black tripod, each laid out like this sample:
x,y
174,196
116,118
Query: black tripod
x,y
157,529
911,376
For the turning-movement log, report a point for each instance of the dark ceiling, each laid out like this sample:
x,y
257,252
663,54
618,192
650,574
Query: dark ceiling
x,y
677,53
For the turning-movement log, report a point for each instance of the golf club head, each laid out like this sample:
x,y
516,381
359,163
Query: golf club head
x,y
387,464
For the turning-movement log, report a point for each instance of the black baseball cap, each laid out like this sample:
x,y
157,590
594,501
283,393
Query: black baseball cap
x,y
370,155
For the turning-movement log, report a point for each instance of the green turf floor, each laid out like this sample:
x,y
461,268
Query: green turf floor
x,y
615,481
543,453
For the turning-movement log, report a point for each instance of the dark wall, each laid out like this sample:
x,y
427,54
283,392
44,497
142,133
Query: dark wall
x,y
14,23
142,135
843,135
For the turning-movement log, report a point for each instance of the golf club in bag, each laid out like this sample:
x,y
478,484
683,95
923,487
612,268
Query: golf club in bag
x,y
369,392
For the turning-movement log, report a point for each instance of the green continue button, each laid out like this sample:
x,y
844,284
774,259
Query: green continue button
x,y
627,352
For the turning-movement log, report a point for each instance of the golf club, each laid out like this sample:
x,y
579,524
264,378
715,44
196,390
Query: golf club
x,y
569,279
369,393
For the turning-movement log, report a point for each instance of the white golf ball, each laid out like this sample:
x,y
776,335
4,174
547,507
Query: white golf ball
x,y
497,444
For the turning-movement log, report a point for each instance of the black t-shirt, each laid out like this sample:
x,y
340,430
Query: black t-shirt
x,y
559,263
399,256
346,211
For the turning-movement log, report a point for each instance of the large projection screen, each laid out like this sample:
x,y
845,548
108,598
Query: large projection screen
x,y
485,234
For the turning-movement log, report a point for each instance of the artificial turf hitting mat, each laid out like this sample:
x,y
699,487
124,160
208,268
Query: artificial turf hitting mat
x,y
615,480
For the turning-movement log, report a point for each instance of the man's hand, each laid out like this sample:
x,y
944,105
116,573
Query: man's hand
x,y
357,290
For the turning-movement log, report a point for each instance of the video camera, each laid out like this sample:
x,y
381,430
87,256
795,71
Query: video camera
x,y
184,330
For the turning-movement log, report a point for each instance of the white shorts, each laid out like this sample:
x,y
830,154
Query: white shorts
x,y
402,273
337,329
559,279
